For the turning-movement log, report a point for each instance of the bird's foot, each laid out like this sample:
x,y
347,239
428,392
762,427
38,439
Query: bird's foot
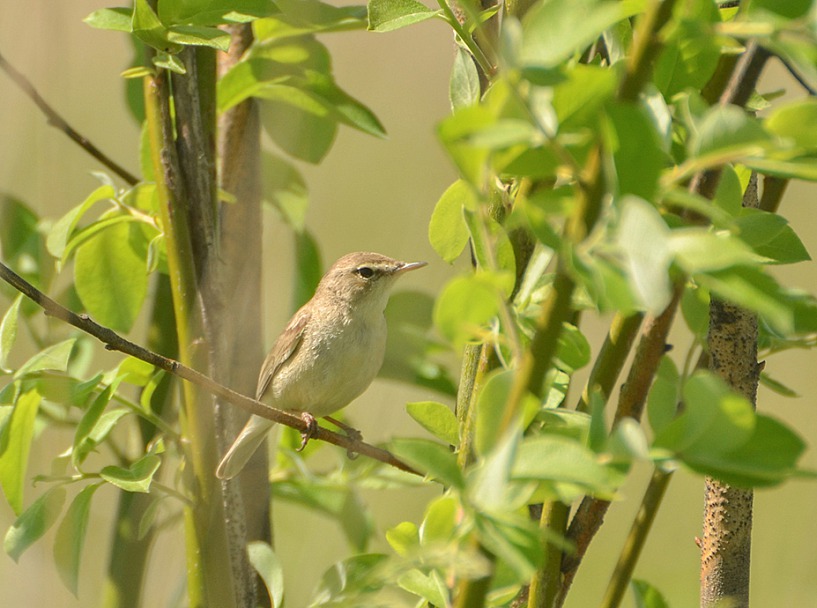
x,y
311,429
350,431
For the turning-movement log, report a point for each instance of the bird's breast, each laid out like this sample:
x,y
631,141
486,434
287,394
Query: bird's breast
x,y
332,367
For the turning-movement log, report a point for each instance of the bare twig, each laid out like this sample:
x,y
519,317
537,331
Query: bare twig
x,y
55,120
115,342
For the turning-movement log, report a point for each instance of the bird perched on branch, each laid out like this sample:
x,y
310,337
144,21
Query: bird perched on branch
x,y
329,352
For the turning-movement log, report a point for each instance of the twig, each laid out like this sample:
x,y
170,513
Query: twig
x,y
115,342
797,76
55,120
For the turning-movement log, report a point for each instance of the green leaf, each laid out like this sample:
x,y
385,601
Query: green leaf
x,y
117,19
643,239
447,231
557,458
53,358
463,87
636,150
34,522
439,521
690,55
751,288
8,330
297,122
796,168
701,250
578,100
777,386
796,121
437,419
770,235
404,538
574,349
285,188
388,15
70,537
726,132
491,411
430,586
767,459
433,459
647,596
299,17
147,27
350,578
554,30
61,232
137,477
714,419
492,248
214,12
15,444
199,36
465,306
269,568
83,444
308,268
110,275
663,398
514,539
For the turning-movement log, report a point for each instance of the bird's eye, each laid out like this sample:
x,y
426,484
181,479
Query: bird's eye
x,y
365,272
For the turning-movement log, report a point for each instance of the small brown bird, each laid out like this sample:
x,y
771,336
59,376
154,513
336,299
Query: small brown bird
x,y
329,352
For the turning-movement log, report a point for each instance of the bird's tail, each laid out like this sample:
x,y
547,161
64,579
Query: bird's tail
x,y
244,446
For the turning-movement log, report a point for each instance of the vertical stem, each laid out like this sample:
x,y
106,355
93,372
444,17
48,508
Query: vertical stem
x,y
209,582
544,587
635,539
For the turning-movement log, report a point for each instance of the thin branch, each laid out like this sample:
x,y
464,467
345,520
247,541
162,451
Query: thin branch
x,y
115,342
797,76
55,120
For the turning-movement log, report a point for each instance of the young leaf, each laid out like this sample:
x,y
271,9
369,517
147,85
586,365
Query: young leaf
x,y
137,477
404,538
82,442
662,401
437,419
53,358
463,88
447,231
430,586
8,330
70,537
61,232
116,19
15,442
465,306
647,596
110,275
388,15
439,521
642,238
726,132
795,121
556,30
269,567
433,459
34,522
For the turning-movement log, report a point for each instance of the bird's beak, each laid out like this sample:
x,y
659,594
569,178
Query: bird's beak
x,y
410,266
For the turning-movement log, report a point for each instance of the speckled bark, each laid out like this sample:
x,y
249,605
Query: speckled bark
x,y
727,530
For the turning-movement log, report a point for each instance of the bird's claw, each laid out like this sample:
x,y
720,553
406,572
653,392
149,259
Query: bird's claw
x,y
311,429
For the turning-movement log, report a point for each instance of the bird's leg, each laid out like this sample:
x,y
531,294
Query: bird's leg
x,y
351,432
311,429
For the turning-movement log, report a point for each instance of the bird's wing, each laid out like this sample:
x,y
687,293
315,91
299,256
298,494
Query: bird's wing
x,y
284,349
